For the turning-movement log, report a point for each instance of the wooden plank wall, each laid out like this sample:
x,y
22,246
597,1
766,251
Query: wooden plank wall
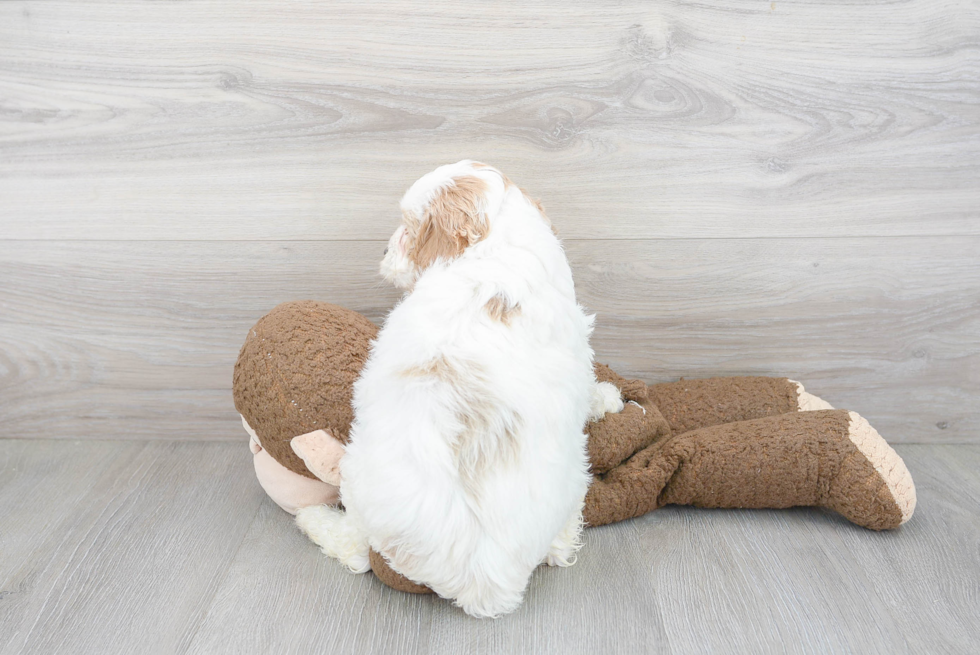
x,y
744,187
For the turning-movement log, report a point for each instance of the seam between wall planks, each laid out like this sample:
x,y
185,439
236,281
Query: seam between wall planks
x,y
245,438
569,239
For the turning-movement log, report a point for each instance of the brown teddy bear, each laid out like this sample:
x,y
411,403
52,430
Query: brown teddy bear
x,y
752,442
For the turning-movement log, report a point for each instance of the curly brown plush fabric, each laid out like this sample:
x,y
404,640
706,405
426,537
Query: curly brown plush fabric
x,y
616,437
794,459
692,404
296,372
391,577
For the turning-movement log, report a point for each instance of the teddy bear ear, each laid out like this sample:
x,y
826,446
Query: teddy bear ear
x,y
321,453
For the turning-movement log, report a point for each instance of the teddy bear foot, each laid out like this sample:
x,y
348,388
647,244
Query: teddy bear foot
x,y
873,488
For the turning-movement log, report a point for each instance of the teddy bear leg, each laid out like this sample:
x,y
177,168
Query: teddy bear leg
x,y
826,458
858,494
692,404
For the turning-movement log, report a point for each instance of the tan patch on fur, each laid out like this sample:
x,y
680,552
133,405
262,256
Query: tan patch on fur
x,y
485,442
439,368
499,310
452,221
508,183
488,435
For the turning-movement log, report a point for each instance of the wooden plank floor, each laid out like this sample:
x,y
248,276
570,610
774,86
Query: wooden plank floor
x,y
172,547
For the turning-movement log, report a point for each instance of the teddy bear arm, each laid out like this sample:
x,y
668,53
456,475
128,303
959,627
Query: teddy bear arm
x,y
617,436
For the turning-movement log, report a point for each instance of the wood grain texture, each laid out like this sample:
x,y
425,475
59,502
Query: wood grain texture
x,y
158,548
281,595
129,564
778,582
43,515
138,339
948,485
764,188
214,120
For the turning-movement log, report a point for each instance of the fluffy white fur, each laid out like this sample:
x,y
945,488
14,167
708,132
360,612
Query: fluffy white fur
x,y
467,464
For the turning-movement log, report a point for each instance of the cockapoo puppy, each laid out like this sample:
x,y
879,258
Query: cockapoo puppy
x,y
467,463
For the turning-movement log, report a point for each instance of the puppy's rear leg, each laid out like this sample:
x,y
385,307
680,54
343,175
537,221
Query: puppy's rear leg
x,y
568,542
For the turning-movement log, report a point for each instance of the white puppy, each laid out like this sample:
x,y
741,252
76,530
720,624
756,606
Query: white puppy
x,y
467,462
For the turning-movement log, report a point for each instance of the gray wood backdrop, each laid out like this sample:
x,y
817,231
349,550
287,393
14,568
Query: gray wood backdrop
x,y
744,187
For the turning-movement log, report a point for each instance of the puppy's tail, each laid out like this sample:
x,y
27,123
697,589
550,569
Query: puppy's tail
x,y
336,535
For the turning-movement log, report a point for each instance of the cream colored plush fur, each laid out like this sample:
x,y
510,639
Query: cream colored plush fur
x,y
886,461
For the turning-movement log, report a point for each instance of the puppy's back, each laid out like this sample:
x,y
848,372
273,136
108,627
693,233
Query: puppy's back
x,y
467,453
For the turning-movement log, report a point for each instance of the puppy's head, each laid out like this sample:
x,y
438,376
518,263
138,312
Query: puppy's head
x,y
443,214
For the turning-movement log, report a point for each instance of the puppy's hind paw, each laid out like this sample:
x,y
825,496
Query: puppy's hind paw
x,y
562,556
606,399
564,549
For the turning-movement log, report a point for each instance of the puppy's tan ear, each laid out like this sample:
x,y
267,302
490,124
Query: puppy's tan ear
x,y
454,219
